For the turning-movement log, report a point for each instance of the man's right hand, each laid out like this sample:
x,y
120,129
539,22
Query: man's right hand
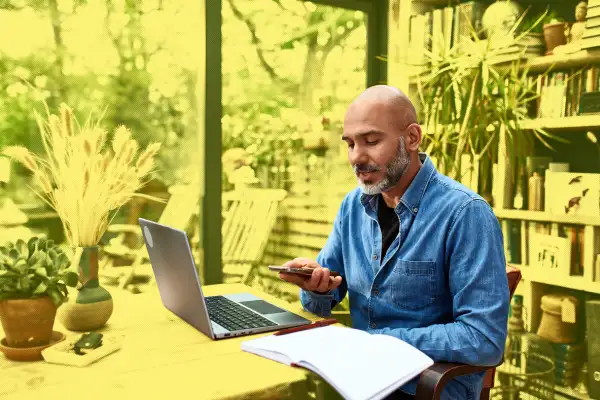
x,y
320,281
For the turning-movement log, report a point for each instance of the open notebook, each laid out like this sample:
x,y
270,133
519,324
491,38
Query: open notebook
x,y
359,365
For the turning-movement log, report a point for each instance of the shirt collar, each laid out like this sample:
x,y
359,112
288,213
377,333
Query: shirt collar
x,y
415,191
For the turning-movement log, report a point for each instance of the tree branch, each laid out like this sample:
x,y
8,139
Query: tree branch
x,y
255,40
8,6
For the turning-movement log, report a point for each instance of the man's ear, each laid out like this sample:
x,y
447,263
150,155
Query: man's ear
x,y
414,137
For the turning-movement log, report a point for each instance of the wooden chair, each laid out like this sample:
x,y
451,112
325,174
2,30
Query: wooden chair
x,y
433,380
182,206
248,221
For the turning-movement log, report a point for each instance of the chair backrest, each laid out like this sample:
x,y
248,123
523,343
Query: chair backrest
x,y
514,277
182,205
248,221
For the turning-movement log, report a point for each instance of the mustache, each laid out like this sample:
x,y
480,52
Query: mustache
x,y
358,168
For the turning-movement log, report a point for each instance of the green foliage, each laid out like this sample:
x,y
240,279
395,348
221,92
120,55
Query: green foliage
x,y
469,97
34,269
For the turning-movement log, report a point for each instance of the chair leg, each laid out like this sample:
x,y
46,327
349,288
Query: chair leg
x,y
485,394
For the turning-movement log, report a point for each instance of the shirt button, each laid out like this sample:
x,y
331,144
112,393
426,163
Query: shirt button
x,y
375,292
415,209
373,325
375,257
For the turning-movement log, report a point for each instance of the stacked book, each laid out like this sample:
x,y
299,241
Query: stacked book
x,y
529,46
591,35
568,360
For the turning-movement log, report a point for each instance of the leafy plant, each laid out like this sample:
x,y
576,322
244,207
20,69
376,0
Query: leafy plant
x,y
35,269
80,179
471,102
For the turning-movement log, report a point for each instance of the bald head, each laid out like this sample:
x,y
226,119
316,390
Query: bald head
x,y
389,100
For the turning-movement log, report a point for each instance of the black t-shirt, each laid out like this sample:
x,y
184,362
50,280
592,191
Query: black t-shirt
x,y
389,223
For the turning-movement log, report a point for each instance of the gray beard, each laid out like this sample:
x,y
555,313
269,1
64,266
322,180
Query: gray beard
x,y
393,172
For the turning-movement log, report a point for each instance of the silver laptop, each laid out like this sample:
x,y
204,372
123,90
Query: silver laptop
x,y
217,317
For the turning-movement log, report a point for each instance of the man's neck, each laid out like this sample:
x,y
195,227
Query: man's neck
x,y
392,197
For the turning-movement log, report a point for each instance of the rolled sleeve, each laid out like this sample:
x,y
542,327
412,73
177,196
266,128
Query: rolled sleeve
x,y
331,257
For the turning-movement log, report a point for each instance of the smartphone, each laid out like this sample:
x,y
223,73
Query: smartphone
x,y
297,271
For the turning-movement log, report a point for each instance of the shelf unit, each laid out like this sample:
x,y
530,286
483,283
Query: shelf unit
x,y
535,282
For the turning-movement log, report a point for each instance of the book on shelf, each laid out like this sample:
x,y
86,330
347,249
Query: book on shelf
x,y
359,365
439,30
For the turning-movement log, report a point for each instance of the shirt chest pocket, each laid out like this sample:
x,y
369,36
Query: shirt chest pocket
x,y
414,284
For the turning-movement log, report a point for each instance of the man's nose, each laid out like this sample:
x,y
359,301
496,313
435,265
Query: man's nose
x,y
357,155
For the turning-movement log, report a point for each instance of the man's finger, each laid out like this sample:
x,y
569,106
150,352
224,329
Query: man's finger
x,y
293,278
298,262
324,281
315,278
335,282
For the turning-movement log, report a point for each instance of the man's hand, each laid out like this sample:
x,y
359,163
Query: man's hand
x,y
320,281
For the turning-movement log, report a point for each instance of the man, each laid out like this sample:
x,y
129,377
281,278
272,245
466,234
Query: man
x,y
420,255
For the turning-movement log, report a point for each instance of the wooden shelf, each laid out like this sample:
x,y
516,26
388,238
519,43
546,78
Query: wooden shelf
x,y
542,216
571,282
541,64
579,122
578,59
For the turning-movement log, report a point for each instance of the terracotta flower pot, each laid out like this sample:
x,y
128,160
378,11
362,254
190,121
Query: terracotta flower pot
x,y
27,322
554,35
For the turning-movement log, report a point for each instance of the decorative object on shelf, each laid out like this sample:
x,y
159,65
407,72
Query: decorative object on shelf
x,y
578,27
550,255
86,185
536,192
499,19
519,201
526,356
572,193
555,34
559,318
34,277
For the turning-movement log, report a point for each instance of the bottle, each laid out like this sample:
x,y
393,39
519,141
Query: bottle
x,y
536,192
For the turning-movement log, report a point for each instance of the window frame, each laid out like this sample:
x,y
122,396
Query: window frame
x,y
377,42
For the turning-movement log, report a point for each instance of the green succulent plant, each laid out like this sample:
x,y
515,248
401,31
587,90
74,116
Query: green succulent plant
x,y
35,269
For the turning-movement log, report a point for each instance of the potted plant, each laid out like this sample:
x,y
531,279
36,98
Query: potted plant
x,y
33,283
555,33
86,178
474,105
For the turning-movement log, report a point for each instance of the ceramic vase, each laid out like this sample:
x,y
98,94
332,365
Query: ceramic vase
x,y
92,305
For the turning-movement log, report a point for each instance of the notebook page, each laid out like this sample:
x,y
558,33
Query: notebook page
x,y
269,347
371,369
311,344
357,364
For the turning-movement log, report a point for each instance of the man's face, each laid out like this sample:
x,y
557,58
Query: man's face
x,y
376,148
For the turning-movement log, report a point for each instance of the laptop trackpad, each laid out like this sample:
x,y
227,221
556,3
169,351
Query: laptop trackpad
x,y
262,307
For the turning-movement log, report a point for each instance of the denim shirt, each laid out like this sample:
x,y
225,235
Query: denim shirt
x,y
441,287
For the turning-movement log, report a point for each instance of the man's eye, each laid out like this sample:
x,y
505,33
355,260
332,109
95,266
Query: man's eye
x,y
372,142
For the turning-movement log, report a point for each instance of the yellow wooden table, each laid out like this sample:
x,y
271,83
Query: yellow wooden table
x,y
161,357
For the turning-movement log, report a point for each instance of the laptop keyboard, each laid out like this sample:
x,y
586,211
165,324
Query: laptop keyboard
x,y
233,316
